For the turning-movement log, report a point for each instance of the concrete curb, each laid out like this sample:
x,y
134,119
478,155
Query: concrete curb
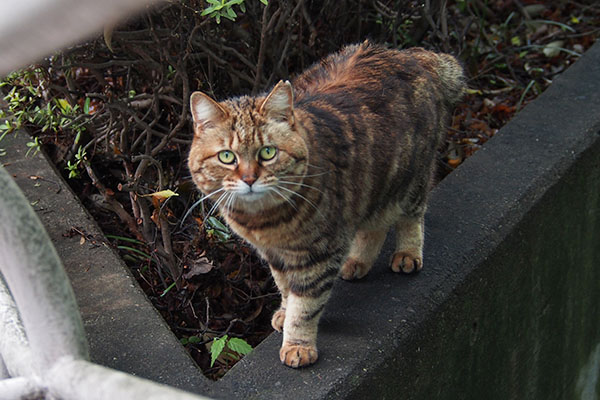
x,y
505,307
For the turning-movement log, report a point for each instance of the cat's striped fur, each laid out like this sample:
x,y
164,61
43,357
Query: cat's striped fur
x,y
355,140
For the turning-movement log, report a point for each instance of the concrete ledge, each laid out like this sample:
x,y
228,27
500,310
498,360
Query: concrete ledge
x,y
505,307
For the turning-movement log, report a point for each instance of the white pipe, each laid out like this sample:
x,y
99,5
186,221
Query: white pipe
x,y
77,379
19,388
4,374
37,281
14,346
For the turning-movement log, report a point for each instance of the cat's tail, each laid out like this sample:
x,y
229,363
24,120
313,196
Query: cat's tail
x,y
452,78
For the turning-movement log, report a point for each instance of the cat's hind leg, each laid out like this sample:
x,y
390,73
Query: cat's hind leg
x,y
408,256
364,251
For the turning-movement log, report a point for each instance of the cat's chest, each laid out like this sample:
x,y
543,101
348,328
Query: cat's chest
x,y
267,234
258,236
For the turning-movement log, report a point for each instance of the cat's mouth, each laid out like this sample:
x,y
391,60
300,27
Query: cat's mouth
x,y
251,193
251,196
257,196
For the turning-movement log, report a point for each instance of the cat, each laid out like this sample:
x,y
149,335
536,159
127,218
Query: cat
x,y
314,173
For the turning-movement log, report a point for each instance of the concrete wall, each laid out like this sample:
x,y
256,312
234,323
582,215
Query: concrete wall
x,y
524,324
504,309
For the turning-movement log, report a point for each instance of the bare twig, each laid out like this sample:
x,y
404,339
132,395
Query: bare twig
x,y
266,26
111,202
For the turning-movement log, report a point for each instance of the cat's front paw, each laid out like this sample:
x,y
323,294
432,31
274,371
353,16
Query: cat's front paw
x,y
406,262
353,269
278,319
297,355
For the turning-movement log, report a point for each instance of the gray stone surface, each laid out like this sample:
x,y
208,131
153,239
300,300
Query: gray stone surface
x,y
505,307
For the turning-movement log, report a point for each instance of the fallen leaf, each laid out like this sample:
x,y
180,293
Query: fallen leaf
x,y
163,194
552,49
199,267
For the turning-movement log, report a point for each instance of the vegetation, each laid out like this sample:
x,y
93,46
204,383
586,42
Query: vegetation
x,y
113,115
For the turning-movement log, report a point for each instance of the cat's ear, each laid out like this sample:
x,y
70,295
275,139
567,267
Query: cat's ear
x,y
279,104
205,111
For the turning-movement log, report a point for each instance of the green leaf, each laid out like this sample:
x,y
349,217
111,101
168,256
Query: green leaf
x,y
194,339
215,223
86,105
265,2
64,105
171,286
207,11
240,346
231,14
216,349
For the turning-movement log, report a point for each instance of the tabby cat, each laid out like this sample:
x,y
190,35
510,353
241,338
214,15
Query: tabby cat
x,y
314,173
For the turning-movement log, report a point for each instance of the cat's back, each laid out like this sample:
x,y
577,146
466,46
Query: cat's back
x,y
367,70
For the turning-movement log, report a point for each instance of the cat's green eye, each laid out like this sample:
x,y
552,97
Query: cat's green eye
x,y
226,157
267,153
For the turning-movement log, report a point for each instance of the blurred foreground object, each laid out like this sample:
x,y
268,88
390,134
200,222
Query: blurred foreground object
x,y
33,29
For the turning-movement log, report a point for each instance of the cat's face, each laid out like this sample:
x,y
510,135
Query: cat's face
x,y
246,153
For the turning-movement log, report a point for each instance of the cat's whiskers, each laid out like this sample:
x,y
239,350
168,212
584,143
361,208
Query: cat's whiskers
x,y
221,198
197,203
314,166
306,176
302,197
273,189
229,204
301,184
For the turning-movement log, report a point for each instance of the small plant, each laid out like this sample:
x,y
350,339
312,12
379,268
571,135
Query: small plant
x,y
26,105
171,71
73,167
217,230
232,347
34,146
5,127
224,9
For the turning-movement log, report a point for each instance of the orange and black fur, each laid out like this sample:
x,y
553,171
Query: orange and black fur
x,y
314,173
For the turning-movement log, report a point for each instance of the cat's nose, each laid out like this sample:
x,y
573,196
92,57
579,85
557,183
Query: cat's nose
x,y
249,179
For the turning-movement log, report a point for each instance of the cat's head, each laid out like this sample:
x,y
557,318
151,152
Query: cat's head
x,y
247,149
